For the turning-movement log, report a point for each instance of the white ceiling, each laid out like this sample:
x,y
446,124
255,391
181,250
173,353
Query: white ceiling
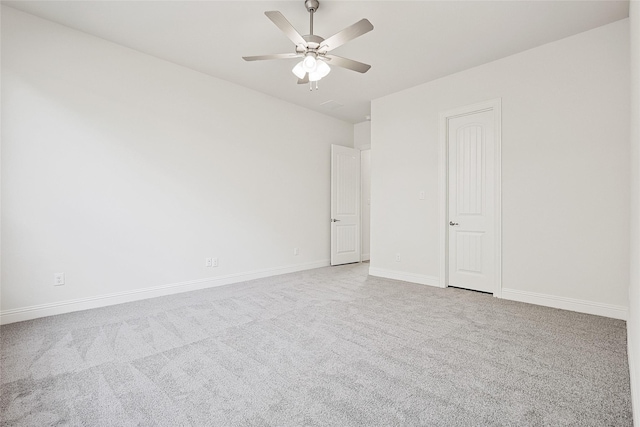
x,y
413,41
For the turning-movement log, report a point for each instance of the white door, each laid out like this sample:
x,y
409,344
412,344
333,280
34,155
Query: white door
x,y
345,205
471,182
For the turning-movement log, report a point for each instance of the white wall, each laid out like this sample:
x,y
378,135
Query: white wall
x,y
362,135
125,172
565,171
0,163
362,141
633,324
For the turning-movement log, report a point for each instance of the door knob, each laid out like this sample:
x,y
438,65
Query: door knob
x,y
334,220
453,223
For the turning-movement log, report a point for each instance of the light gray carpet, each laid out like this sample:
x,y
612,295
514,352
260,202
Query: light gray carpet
x,y
325,347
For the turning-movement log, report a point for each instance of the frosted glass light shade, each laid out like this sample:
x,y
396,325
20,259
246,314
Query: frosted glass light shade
x,y
309,63
299,71
322,69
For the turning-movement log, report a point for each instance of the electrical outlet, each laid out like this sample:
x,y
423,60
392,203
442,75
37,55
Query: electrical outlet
x,y
397,257
296,251
214,262
421,195
208,262
58,279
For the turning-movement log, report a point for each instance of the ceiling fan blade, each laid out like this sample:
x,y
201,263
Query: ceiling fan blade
x,y
286,27
356,30
304,80
272,56
348,63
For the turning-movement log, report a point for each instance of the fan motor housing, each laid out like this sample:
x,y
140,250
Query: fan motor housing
x,y
313,39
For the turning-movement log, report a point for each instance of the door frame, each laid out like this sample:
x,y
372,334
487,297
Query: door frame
x,y
494,105
363,148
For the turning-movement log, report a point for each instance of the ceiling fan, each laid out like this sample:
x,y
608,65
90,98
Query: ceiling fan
x,y
313,49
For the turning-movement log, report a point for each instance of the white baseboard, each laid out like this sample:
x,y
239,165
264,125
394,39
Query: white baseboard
x,y
365,257
405,277
43,310
581,306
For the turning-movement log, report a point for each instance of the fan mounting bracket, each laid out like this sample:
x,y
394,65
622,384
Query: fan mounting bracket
x,y
312,5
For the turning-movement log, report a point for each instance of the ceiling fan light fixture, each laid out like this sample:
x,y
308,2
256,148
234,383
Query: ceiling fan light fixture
x,y
314,49
298,70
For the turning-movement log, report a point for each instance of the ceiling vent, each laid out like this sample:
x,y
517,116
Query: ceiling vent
x,y
331,105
